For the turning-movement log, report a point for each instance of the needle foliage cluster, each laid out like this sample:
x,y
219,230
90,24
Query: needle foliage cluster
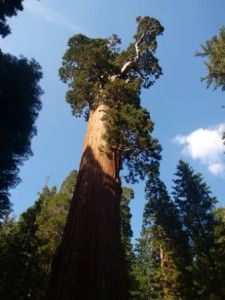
x,y
214,52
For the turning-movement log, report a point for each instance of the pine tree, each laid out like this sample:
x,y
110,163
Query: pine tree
x,y
163,251
104,84
195,204
147,268
214,51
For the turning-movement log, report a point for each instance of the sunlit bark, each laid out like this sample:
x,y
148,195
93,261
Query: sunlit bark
x,y
89,264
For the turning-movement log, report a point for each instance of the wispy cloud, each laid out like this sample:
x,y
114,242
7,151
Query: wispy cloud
x,y
205,145
40,10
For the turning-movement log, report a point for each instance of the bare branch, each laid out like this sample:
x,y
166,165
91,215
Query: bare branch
x,y
131,63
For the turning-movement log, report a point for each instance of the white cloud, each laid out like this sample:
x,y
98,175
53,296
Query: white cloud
x,y
205,145
39,9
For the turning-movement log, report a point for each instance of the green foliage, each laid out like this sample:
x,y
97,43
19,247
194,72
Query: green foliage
x,y
20,105
90,65
27,246
120,92
195,204
86,65
219,247
146,68
196,209
180,254
126,235
170,262
147,269
18,255
214,50
125,215
69,183
98,72
162,253
50,223
8,8
129,134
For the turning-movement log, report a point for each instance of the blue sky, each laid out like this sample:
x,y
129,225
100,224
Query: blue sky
x,y
189,119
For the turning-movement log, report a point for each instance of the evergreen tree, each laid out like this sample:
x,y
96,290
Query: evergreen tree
x,y
219,247
195,204
27,246
19,267
69,184
20,104
8,8
214,51
104,84
126,235
163,255
147,268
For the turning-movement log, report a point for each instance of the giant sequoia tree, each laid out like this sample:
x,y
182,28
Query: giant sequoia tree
x,y
104,85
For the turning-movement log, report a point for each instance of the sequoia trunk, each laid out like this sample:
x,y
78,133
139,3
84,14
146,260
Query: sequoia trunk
x,y
88,264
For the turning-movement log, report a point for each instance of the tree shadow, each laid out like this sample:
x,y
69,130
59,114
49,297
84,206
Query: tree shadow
x,y
89,263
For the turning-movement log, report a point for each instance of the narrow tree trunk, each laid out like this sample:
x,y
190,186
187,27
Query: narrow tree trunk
x,y
89,264
162,266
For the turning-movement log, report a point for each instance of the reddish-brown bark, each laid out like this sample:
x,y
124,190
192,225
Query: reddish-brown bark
x,y
88,264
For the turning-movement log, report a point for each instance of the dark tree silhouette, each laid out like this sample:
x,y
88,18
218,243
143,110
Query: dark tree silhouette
x,y
8,8
19,107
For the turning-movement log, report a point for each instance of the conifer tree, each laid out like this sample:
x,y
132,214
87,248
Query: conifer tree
x,y
163,251
19,107
126,235
147,268
105,84
19,262
28,245
8,8
214,51
219,247
196,205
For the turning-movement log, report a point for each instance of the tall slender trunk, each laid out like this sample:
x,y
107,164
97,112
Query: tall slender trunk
x,y
88,264
162,266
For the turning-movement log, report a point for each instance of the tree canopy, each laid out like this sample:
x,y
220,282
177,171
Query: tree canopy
x,y
8,8
20,104
214,51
